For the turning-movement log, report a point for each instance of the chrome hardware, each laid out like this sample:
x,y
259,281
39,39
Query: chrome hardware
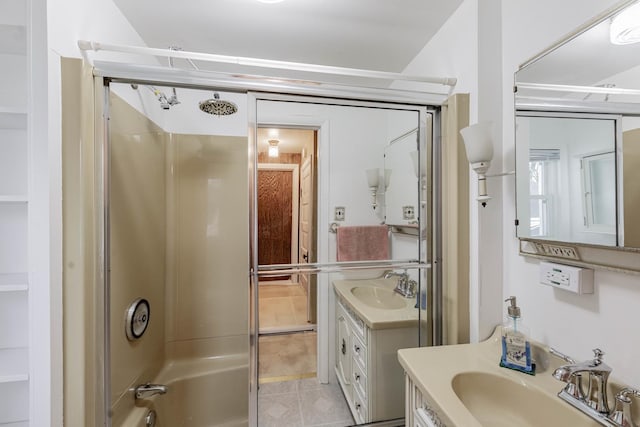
x,y
145,391
621,415
595,402
150,419
405,286
574,385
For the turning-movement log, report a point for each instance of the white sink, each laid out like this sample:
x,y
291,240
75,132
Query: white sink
x,y
377,297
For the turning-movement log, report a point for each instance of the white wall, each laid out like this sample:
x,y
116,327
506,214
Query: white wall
x,y
574,324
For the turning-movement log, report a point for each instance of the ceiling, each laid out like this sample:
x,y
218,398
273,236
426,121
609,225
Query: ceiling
x,y
368,34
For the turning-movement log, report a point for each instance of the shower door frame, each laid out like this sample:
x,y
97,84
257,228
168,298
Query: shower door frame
x,y
104,73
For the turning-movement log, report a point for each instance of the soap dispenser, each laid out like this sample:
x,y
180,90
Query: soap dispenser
x,y
516,349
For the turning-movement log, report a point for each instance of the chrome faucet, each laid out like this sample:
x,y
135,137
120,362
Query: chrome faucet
x,y
595,402
145,391
405,286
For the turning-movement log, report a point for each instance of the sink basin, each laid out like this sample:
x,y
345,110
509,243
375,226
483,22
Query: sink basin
x,y
498,401
377,297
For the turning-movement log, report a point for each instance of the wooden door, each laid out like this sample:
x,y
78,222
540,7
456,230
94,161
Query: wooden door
x,y
275,204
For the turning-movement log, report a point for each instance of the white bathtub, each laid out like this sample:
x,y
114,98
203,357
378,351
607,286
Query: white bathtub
x,y
203,392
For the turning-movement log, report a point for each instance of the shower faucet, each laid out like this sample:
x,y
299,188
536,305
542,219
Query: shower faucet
x,y
145,391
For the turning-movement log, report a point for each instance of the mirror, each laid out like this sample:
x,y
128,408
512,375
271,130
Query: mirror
x,y
577,126
566,155
401,160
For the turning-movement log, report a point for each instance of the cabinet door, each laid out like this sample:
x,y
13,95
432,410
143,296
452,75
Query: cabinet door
x,y
343,347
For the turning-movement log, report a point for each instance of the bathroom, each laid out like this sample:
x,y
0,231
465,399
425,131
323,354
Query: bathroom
x,y
481,44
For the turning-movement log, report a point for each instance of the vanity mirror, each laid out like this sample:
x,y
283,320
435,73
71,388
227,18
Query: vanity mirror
x,y
577,136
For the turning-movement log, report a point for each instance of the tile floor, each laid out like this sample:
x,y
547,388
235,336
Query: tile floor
x,y
302,403
282,306
290,355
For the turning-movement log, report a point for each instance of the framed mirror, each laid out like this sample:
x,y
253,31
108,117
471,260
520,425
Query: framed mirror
x,y
577,124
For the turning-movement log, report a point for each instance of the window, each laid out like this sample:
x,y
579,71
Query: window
x,y
543,167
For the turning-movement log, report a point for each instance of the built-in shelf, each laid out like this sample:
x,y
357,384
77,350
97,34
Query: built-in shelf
x,y
13,282
14,365
13,118
13,39
19,111
13,199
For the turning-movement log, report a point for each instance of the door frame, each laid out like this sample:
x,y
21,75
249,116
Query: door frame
x,y
295,203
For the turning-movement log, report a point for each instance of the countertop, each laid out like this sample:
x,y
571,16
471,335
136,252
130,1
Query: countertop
x,y
378,318
433,368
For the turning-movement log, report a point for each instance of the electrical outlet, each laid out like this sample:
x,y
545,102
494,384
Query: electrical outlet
x,y
557,250
572,279
339,213
408,212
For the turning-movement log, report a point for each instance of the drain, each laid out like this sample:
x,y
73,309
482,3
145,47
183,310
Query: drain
x,y
150,419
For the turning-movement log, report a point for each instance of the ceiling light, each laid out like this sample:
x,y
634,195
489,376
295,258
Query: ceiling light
x,y
273,147
270,1
625,27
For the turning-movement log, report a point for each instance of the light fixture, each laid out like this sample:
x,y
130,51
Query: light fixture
x,y
273,148
270,1
625,26
373,181
479,147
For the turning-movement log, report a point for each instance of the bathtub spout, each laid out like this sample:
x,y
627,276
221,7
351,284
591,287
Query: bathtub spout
x,y
144,391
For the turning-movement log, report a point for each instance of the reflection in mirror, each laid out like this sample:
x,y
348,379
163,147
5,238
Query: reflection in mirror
x,y
346,349
349,154
401,157
590,73
566,178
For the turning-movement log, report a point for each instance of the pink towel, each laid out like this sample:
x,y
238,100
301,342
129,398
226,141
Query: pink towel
x,y
362,243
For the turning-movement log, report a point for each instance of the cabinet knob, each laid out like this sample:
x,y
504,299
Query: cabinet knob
x,y
357,377
358,406
357,349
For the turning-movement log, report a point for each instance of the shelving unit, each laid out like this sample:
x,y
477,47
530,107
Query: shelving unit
x,y
14,214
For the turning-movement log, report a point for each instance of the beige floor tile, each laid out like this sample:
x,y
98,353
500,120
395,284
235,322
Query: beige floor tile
x,y
282,306
287,355
299,307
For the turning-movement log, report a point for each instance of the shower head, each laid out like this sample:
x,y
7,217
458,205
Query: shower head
x,y
218,107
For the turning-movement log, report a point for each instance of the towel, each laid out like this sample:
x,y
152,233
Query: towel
x,y
362,243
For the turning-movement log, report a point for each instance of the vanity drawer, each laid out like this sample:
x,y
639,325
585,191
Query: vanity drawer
x,y
359,351
359,380
361,414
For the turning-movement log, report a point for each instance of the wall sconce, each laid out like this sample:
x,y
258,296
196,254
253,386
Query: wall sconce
x,y
373,181
273,147
478,143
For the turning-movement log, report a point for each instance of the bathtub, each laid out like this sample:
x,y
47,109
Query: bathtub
x,y
204,392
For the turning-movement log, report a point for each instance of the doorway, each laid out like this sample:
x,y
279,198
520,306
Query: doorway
x,y
286,235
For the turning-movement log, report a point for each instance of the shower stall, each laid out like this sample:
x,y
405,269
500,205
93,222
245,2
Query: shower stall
x,y
170,221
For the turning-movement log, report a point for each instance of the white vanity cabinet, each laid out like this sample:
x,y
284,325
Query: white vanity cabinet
x,y
418,412
367,367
